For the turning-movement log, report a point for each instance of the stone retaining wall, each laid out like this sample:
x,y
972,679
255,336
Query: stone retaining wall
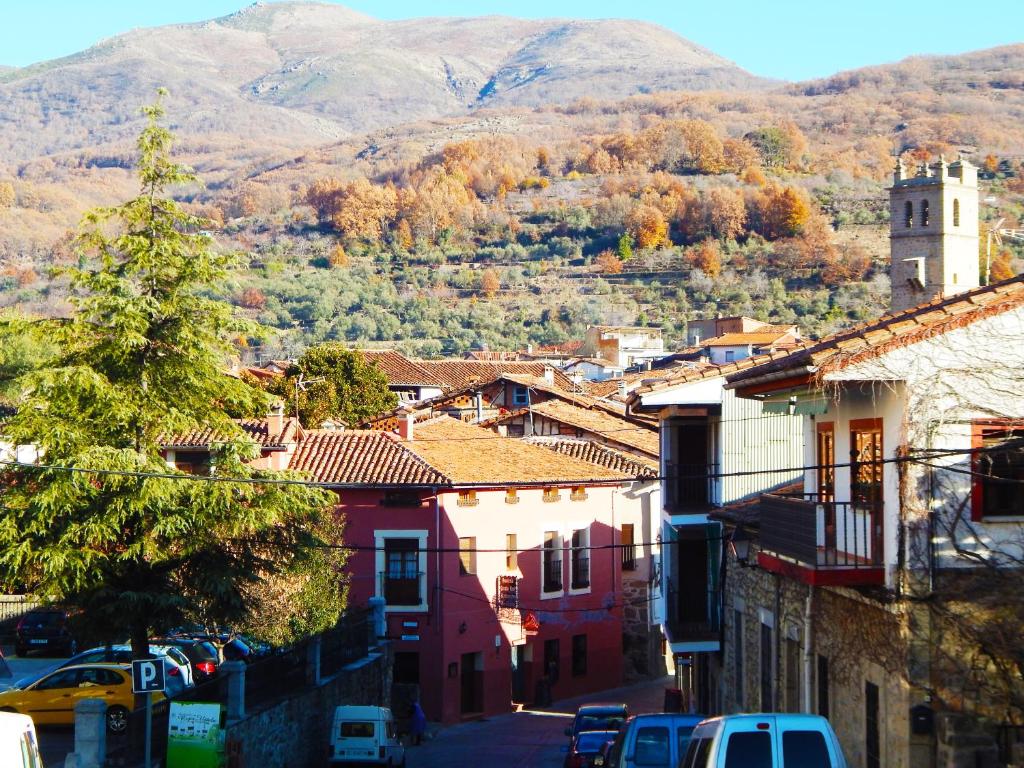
x,y
295,733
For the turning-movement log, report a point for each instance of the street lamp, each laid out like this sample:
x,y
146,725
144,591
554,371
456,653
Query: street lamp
x,y
739,545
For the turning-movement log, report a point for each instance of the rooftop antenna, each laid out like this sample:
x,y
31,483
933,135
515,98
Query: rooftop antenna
x,y
303,384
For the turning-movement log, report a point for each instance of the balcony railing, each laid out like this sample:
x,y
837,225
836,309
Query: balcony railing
x,y
552,573
824,536
580,572
689,486
692,615
401,588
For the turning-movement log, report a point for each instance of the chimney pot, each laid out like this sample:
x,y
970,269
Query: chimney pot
x,y
549,374
275,419
406,426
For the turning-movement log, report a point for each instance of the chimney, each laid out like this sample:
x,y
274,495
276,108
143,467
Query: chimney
x,y
623,390
479,406
549,375
275,419
529,349
405,426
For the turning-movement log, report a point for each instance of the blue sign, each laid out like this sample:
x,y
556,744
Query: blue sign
x,y
147,675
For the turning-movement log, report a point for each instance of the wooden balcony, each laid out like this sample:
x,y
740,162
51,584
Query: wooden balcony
x,y
693,615
689,487
821,542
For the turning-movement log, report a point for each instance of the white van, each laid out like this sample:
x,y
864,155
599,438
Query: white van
x,y
363,734
18,745
764,741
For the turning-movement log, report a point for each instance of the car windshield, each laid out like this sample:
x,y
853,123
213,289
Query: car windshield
x,y
606,721
593,741
43,618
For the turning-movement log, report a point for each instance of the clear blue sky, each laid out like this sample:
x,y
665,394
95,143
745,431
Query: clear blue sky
x,y
789,39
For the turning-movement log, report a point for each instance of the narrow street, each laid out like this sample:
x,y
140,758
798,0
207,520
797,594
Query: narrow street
x,y
533,737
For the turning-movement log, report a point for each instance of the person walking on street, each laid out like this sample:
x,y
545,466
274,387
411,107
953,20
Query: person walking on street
x,y
419,723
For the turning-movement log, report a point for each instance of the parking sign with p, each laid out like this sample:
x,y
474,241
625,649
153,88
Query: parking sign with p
x,y
147,675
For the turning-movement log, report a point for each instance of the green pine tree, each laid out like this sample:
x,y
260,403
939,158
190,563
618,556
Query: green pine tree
x,y
141,359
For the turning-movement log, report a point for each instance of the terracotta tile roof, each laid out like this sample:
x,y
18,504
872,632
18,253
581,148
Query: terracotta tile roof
x,y
487,355
468,455
602,455
757,338
400,370
698,371
628,329
256,430
361,457
898,329
599,422
459,374
747,512
610,387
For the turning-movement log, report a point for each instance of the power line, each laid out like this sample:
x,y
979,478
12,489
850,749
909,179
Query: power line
x,y
329,485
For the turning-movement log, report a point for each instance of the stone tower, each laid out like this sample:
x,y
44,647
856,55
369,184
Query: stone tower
x,y
933,232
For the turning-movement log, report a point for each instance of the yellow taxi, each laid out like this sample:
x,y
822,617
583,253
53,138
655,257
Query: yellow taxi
x,y
50,699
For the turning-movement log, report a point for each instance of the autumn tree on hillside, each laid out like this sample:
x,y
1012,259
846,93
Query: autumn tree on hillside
x,y
608,262
490,283
707,258
778,211
363,210
648,227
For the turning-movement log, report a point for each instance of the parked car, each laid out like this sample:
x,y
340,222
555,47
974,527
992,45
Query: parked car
x,y
586,749
764,741
656,739
51,699
45,629
598,717
229,647
202,654
177,669
366,735
19,747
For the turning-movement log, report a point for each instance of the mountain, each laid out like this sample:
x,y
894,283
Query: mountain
x,y
306,73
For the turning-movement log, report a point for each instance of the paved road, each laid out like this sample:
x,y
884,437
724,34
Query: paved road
x,y
532,738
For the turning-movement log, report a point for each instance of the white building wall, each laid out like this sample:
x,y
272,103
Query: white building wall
x,y
768,445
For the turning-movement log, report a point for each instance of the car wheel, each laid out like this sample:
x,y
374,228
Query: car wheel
x,y
117,719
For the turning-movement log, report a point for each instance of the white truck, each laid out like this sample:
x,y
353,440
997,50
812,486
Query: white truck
x,y
764,741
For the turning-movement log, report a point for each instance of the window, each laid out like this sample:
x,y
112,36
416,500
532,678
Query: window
x,y
697,754
468,499
737,655
806,749
467,555
552,562
511,495
628,547
750,749
578,493
65,679
520,396
406,668
924,213
866,456
580,560
767,704
730,355
401,572
552,495
792,655
872,735
652,746
826,460
552,660
511,552
401,499
579,655
997,489
956,212
823,685
908,214
683,734
356,730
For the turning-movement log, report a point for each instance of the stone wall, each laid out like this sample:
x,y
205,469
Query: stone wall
x,y
296,732
858,633
641,641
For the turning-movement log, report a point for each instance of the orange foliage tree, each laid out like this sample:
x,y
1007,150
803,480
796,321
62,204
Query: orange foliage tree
x,y
648,227
707,258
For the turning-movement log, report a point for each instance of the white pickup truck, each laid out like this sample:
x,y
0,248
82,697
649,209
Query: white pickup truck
x,y
764,741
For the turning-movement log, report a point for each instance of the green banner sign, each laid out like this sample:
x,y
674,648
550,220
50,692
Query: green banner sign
x,y
195,738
